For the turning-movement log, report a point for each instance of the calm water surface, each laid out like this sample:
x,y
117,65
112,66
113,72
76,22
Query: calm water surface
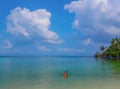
x,y
46,73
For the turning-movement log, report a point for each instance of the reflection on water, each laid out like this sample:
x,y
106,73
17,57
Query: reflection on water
x,y
46,73
113,66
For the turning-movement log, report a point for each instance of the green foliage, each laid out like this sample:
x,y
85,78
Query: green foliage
x,y
112,51
102,48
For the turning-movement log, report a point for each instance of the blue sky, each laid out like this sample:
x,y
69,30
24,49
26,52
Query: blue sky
x,y
57,27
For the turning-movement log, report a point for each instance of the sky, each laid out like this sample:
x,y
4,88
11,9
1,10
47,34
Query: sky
x,y
57,27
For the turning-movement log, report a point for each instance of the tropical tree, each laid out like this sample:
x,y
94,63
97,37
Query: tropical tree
x,y
113,41
111,51
117,40
102,48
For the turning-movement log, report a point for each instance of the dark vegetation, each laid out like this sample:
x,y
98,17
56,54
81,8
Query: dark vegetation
x,y
111,52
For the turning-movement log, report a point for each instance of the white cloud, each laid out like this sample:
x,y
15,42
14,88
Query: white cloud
x,y
113,30
95,18
7,44
102,4
80,5
70,50
43,48
31,25
76,24
88,42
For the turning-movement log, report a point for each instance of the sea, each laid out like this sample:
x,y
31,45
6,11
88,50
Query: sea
x,y
46,73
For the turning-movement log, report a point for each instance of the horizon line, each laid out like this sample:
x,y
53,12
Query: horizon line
x,y
46,56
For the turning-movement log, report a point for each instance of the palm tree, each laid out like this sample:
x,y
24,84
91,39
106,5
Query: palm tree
x,y
113,41
106,48
102,48
117,40
117,46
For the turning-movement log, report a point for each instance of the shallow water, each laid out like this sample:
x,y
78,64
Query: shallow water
x,y
46,73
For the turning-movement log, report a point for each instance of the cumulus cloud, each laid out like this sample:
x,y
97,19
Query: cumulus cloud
x,y
32,25
96,19
88,41
6,44
43,48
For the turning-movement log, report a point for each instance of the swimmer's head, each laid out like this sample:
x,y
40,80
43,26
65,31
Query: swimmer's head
x,y
65,71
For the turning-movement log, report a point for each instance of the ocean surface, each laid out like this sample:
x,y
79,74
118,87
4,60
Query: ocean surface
x,y
46,73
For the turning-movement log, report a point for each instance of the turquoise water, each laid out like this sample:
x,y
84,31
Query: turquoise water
x,y
46,73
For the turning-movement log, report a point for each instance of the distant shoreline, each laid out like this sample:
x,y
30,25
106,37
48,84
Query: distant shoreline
x,y
110,58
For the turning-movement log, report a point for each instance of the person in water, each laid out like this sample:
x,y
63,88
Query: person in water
x,y
65,74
